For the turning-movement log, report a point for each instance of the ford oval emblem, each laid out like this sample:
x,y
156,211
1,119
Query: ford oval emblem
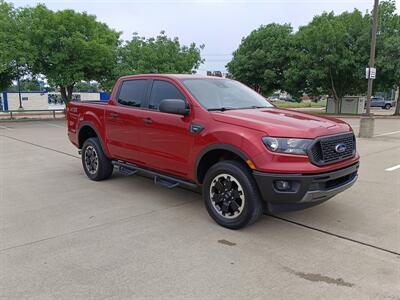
x,y
340,148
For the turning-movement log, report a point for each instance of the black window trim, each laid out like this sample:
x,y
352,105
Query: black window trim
x,y
143,104
147,106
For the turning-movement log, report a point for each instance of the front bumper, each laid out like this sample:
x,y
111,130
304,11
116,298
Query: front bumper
x,y
305,189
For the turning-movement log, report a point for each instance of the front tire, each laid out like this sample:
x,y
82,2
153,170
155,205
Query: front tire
x,y
95,163
387,106
231,195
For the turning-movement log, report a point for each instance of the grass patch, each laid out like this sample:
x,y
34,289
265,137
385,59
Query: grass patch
x,y
285,104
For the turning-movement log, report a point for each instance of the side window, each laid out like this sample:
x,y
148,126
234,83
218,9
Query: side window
x,y
132,92
163,90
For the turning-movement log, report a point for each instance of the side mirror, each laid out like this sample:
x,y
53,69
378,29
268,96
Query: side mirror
x,y
174,106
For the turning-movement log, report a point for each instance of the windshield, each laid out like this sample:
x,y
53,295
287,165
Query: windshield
x,y
224,94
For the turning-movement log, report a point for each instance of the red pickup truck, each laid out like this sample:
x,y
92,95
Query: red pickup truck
x,y
218,136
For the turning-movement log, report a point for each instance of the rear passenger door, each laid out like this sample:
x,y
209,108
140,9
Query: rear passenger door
x,y
165,139
124,120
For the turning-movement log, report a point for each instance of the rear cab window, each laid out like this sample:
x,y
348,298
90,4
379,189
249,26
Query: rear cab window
x,y
133,92
162,90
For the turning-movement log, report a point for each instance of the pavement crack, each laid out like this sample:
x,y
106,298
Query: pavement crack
x,y
336,235
39,146
154,211
95,227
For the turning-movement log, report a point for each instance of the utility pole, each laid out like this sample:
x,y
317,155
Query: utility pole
x,y
19,86
367,122
19,92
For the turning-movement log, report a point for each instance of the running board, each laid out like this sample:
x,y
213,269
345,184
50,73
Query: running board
x,y
161,179
126,171
169,184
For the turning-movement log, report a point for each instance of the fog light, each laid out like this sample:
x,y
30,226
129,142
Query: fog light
x,y
282,185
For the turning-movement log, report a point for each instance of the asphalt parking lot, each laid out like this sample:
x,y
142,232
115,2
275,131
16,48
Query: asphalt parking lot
x,y
65,237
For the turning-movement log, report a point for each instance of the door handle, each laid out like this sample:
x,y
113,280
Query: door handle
x,y
113,115
147,121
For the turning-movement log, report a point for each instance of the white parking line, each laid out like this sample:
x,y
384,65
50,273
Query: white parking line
x,y
393,168
387,133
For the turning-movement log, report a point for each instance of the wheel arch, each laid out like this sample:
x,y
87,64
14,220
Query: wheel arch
x,y
214,153
88,130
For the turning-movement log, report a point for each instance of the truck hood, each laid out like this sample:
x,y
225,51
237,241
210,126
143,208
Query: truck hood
x,y
282,122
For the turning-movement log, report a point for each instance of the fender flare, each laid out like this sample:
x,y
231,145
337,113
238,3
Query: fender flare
x,y
212,147
89,124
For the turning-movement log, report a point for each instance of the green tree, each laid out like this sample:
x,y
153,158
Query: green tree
x,y
155,55
85,86
7,26
388,49
70,47
329,56
27,85
15,52
262,58
6,77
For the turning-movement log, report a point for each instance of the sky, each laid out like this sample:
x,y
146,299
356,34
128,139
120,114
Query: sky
x,y
220,24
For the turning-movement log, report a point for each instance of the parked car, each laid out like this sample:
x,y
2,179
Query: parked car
x,y
290,99
381,102
218,136
274,98
297,100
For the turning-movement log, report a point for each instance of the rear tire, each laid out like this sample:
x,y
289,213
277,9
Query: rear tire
x,y
231,195
95,163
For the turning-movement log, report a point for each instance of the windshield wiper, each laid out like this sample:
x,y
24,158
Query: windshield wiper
x,y
220,108
235,108
252,107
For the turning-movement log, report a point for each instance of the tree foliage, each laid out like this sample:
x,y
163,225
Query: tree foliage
x,y
262,58
329,56
15,51
6,78
70,47
155,55
27,85
388,49
85,86
6,70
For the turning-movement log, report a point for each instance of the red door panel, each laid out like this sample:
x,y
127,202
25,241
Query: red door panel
x,y
165,142
124,120
123,127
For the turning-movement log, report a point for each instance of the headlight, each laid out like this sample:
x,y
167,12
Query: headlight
x,y
287,145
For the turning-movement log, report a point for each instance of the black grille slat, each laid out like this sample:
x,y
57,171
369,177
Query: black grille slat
x,y
323,151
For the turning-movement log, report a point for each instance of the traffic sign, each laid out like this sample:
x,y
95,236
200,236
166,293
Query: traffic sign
x,y
370,73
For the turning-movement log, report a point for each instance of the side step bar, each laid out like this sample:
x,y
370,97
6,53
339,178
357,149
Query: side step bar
x,y
161,179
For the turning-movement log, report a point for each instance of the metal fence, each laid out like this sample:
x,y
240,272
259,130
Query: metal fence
x,y
31,113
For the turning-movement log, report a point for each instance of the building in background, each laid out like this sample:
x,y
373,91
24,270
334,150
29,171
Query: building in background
x,y
43,100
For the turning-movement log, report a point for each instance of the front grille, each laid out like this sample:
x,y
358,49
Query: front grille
x,y
323,150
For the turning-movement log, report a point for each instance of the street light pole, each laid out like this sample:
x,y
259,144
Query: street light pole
x,y
367,122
